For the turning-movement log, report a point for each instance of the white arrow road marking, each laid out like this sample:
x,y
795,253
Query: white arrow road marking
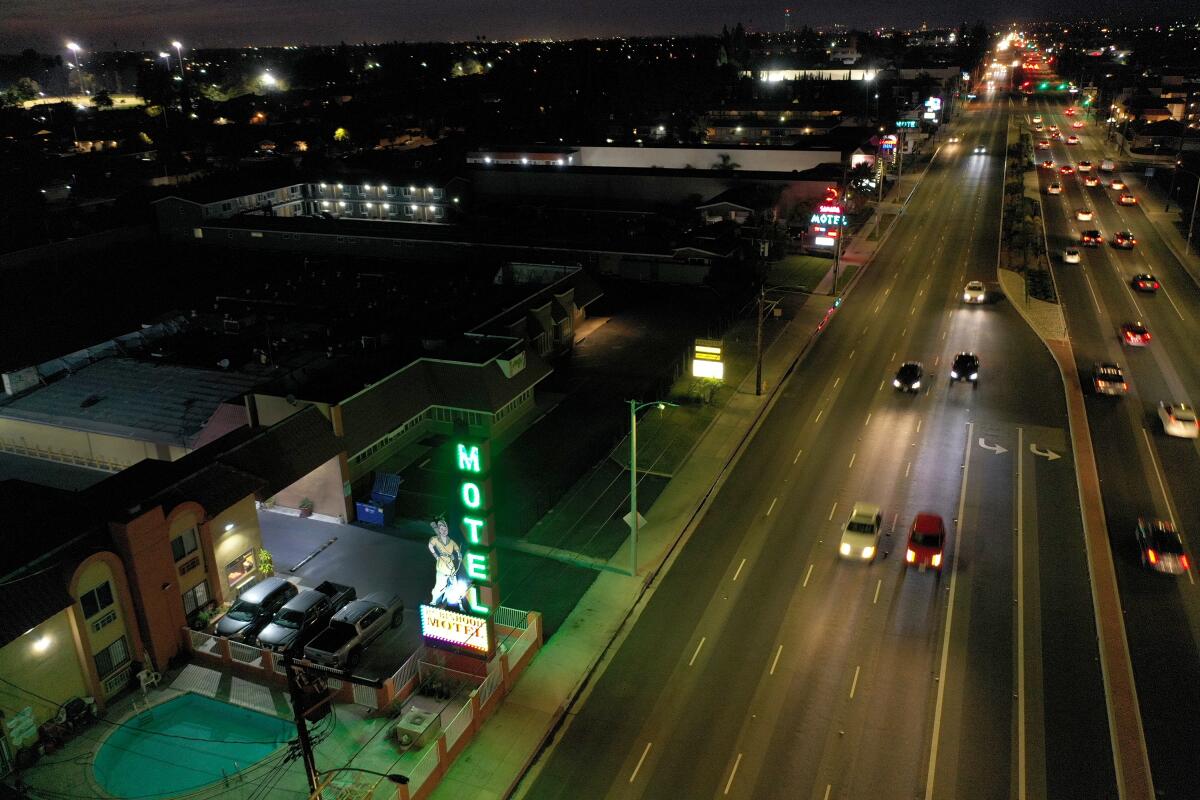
x,y
1047,454
995,448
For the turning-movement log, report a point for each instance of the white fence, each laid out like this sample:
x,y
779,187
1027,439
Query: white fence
x,y
490,684
519,647
205,642
407,670
245,653
423,769
366,696
511,617
458,726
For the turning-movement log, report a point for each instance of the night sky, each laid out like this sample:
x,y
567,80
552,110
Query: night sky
x,y
96,24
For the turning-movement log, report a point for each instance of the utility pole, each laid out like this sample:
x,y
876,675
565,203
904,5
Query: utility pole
x,y
299,709
758,342
633,481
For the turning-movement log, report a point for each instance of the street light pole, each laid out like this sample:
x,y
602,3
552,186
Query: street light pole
x,y
758,343
635,407
1192,224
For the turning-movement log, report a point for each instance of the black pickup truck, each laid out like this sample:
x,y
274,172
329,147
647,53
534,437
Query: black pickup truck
x,y
304,616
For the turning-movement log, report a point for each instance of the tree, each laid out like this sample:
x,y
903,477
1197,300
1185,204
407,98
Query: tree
x,y
25,89
102,99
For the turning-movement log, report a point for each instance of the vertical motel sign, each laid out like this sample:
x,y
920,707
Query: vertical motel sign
x,y
473,467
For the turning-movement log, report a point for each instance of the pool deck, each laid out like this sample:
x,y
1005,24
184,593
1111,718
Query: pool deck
x,y
355,735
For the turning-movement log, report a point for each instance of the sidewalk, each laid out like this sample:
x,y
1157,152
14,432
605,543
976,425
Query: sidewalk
x,y
1153,200
496,760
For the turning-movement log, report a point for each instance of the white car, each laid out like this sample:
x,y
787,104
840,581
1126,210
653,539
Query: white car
x,y
1179,419
1071,255
1084,166
1054,188
860,534
1037,119
975,292
980,149
1084,214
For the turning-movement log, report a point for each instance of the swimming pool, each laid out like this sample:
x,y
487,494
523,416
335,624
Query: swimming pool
x,y
184,744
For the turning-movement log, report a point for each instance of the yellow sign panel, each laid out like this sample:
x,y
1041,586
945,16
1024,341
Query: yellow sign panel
x,y
706,359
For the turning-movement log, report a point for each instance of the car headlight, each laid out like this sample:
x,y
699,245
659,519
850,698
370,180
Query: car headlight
x,y
896,383
916,384
910,556
868,551
845,549
966,296
953,374
936,560
974,375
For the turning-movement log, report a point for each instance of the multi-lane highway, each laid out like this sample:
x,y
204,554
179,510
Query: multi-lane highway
x,y
763,666
1143,472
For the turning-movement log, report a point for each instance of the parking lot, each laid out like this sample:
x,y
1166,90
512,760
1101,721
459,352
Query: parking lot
x,y
370,561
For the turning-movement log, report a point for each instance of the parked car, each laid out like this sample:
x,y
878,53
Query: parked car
x,y
304,616
353,628
254,608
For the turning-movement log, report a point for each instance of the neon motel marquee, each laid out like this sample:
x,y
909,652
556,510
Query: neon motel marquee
x,y
473,465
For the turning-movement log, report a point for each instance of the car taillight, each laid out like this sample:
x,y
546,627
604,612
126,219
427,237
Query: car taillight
x,y
910,556
1183,562
937,559
1152,556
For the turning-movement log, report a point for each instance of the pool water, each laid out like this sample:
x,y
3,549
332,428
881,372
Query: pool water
x,y
221,739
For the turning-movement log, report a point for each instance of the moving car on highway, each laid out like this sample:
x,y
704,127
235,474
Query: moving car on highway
x,y
1084,166
1066,169
1127,199
1124,240
1135,334
1145,282
860,534
1117,184
1054,188
908,377
1084,214
965,368
926,541
1179,419
974,292
1091,181
1107,378
1073,139
1091,237
1161,547
1071,255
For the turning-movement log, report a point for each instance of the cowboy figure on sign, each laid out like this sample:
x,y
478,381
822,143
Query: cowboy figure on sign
x,y
447,559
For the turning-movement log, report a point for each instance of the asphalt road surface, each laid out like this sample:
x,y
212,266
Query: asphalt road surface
x,y
763,666
1143,472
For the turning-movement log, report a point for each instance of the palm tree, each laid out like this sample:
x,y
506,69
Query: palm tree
x,y
725,163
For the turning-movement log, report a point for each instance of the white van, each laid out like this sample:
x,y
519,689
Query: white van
x,y
860,534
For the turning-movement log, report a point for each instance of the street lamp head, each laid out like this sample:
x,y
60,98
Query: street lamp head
x,y
177,45
162,54
74,48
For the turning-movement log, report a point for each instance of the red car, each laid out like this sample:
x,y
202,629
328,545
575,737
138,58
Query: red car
x,y
1047,164
1066,169
926,540
1070,112
1135,334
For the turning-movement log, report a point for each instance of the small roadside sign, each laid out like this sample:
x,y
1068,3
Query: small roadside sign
x,y
1149,172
